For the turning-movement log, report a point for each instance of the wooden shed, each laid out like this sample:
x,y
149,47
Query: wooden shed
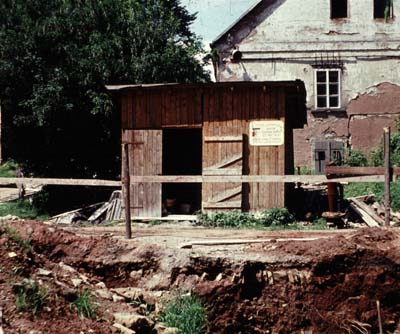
x,y
219,129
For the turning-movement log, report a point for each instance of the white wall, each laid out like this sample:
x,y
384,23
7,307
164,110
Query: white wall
x,y
294,33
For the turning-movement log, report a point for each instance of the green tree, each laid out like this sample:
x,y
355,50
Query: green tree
x,y
55,59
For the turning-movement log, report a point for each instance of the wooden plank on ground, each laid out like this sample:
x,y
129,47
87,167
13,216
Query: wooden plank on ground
x,y
367,210
364,215
227,242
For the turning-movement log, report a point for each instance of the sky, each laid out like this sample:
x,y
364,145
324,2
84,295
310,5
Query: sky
x,y
215,16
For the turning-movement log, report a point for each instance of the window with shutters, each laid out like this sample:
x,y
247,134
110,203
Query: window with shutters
x,y
327,86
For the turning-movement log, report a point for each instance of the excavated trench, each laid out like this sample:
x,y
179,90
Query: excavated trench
x,y
329,286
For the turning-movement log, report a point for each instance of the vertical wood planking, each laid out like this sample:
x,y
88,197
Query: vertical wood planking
x,y
222,112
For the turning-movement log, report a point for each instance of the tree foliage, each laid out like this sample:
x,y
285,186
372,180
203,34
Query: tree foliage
x,y
55,59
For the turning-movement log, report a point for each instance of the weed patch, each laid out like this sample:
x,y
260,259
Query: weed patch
x,y
85,305
15,237
185,313
277,217
30,296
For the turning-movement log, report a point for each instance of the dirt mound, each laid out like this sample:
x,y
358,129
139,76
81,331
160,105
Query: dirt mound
x,y
336,293
22,270
326,285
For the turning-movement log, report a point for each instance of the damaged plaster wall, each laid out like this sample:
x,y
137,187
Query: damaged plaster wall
x,y
284,39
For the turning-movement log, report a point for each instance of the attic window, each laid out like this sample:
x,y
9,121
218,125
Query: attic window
x,y
339,9
383,9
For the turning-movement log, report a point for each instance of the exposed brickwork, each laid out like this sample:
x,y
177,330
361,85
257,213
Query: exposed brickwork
x,y
360,127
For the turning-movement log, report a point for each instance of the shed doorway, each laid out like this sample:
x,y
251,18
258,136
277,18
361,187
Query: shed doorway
x,y
182,155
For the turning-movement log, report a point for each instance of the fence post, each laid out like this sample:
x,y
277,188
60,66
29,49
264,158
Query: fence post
x,y
386,134
127,196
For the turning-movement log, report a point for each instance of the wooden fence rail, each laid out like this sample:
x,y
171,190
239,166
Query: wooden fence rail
x,y
60,182
252,179
191,179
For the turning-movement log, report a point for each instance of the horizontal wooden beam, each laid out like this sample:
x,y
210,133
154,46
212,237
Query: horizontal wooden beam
x,y
251,179
222,171
223,139
59,182
190,179
223,205
339,170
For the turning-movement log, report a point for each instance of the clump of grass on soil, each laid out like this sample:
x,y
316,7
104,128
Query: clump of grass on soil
x,y
15,237
186,313
85,305
30,296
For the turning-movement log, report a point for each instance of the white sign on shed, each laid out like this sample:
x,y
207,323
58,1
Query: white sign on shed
x,y
267,133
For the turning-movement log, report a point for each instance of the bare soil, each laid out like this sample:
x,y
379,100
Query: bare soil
x,y
328,285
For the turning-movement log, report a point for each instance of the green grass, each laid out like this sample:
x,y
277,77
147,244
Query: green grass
x,y
23,209
85,305
14,236
185,313
30,297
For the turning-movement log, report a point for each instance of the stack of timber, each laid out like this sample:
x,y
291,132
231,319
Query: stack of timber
x,y
371,212
109,211
95,214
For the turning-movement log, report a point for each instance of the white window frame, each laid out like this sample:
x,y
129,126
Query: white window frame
x,y
327,92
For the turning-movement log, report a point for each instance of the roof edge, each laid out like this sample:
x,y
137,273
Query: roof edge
x,y
243,16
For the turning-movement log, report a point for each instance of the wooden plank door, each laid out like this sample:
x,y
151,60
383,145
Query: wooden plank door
x,y
145,158
222,155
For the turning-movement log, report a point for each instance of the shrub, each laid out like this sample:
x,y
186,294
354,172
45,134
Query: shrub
x,y
85,305
30,296
304,170
277,217
8,169
233,219
320,224
186,313
356,158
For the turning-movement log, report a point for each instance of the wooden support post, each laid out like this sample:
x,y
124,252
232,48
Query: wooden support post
x,y
1,137
127,196
386,134
378,307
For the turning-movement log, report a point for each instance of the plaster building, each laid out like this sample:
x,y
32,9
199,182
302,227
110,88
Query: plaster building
x,y
347,54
